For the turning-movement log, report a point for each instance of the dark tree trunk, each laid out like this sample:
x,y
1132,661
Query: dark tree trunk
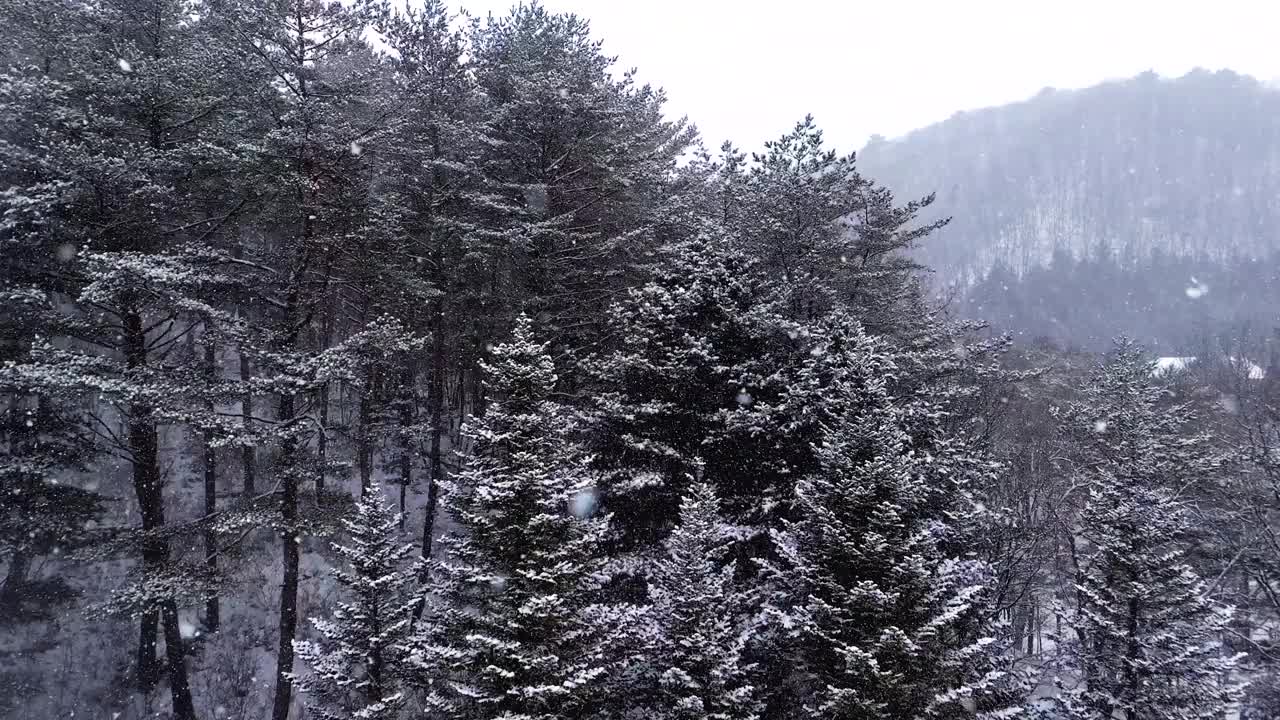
x,y
175,653
435,409
289,552
364,438
406,445
144,452
143,445
144,449
286,412
322,438
322,404
246,420
211,609
15,577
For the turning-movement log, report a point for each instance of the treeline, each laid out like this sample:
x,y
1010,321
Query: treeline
x,y
689,439
1176,305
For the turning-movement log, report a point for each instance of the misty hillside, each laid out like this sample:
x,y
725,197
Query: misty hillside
x,y
1143,188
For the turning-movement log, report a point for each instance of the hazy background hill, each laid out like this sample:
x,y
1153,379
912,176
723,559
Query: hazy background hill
x,y
1148,206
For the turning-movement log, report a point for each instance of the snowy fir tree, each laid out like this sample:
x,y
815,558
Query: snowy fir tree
x,y
586,154
882,605
1144,635
700,625
694,363
356,667
511,629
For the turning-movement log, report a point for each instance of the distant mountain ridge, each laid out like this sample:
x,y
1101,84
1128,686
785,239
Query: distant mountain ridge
x,y
1187,167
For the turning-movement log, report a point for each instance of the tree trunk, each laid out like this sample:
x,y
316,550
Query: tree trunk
x,y
289,577
322,404
16,576
175,653
211,609
435,409
405,460
246,421
364,439
144,449
143,446
322,438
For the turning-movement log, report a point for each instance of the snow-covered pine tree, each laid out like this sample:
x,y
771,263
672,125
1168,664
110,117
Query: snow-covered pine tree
x,y
830,237
693,374
315,113
874,587
700,622
114,193
449,218
510,630
587,155
356,669
41,445
1145,634
41,442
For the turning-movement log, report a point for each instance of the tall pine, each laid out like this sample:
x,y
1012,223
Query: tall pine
x,y
356,668
511,629
881,603
1144,634
701,622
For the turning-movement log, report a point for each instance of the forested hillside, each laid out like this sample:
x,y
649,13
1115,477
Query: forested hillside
x,y
370,363
1145,207
1188,166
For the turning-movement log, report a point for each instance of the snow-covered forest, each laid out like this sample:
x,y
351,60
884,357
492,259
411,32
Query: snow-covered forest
x,y
369,363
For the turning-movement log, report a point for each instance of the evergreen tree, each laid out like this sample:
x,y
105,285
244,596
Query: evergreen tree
x,y
115,182
698,621
357,667
830,237
451,223
317,109
41,445
1146,635
510,630
588,158
875,588
694,374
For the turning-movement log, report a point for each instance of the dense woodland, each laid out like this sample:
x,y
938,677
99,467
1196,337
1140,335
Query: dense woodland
x,y
1177,305
363,363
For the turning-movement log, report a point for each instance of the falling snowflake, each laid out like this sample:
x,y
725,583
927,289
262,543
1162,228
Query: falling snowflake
x,y
356,149
125,65
535,197
1099,426
583,504
1229,404
744,398
1197,289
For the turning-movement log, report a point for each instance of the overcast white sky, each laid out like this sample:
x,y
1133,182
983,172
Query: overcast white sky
x,y
748,69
